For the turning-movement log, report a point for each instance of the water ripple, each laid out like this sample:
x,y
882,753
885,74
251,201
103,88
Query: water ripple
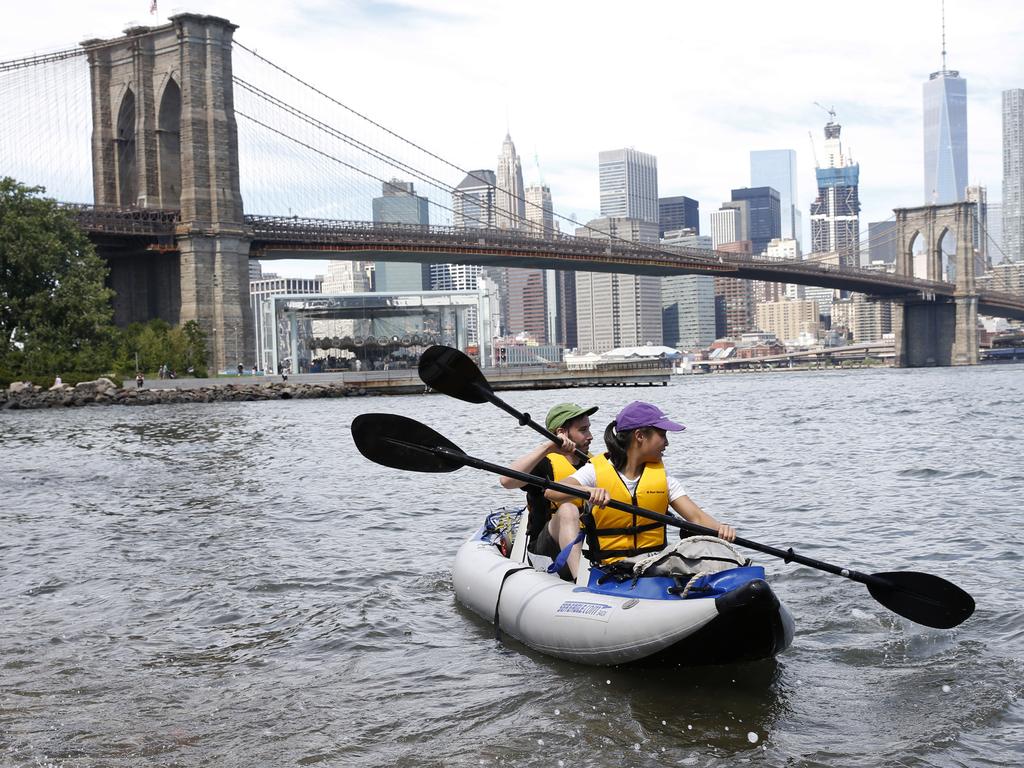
x,y
234,585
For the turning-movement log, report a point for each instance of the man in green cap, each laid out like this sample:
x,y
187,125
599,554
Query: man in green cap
x,y
552,526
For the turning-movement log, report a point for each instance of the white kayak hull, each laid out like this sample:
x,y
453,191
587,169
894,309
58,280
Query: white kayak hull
x,y
614,623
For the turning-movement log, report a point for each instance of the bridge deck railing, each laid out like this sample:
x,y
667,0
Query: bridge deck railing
x,y
160,223
125,220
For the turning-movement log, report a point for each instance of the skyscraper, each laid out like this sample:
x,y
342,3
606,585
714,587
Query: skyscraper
x,y
629,184
835,213
525,306
763,215
776,168
399,204
725,226
510,201
539,210
614,310
945,134
676,213
1012,241
473,201
559,286
688,302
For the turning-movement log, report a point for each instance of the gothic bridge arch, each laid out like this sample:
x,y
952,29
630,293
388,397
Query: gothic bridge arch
x,y
932,331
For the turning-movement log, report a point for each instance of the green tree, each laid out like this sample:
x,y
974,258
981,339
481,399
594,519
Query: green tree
x,y
55,311
156,343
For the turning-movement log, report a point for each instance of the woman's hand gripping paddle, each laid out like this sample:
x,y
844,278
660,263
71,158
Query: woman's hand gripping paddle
x,y
403,443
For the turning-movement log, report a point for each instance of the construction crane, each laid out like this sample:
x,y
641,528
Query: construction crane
x,y
814,152
831,111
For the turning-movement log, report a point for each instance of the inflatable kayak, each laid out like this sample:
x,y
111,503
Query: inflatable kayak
x,y
718,613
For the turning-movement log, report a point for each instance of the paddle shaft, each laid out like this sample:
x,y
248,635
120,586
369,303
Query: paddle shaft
x,y
788,555
524,419
453,372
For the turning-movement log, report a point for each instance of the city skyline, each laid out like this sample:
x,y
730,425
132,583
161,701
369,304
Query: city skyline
x,y
702,131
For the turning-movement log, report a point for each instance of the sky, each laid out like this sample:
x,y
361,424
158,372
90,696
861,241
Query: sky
x,y
698,84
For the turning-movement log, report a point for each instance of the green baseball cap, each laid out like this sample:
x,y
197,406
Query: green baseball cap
x,y
564,412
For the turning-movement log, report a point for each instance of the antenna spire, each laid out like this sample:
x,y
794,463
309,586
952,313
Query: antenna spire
x,y
943,35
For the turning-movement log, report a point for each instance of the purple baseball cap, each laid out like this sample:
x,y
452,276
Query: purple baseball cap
x,y
640,414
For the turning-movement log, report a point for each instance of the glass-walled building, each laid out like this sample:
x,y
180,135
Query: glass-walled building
x,y
414,320
945,138
776,168
261,291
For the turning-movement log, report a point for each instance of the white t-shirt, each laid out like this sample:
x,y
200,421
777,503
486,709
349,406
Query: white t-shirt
x,y
587,475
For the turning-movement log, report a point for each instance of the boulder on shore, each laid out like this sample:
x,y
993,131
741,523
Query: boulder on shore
x,y
102,391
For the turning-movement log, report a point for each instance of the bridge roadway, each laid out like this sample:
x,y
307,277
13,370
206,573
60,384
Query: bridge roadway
x,y
282,237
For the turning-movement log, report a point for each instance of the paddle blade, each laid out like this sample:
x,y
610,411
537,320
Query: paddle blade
x,y
402,443
922,597
450,371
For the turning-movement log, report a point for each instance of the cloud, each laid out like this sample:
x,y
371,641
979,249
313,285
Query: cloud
x,y
699,85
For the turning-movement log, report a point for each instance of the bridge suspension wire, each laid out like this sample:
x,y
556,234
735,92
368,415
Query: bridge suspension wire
x,y
46,124
376,124
988,237
520,222
340,135
328,156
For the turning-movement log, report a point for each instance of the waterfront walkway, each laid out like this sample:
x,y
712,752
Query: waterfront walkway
x,y
407,381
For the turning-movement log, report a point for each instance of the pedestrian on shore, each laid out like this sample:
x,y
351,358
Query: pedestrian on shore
x,y
57,380
139,380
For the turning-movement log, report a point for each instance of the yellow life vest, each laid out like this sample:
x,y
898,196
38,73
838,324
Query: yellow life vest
x,y
541,509
613,534
561,468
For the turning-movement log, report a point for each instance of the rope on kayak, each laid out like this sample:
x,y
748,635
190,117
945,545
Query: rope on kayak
x,y
497,603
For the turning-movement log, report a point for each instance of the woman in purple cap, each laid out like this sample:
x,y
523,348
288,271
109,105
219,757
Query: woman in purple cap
x,y
632,472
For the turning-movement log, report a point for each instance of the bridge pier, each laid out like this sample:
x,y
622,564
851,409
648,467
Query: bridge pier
x,y
929,331
215,293
146,285
164,136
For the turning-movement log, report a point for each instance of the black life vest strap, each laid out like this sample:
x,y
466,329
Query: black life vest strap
x,y
594,552
629,530
604,554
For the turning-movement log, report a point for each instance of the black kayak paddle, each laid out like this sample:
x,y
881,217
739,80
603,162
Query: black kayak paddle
x,y
404,443
452,372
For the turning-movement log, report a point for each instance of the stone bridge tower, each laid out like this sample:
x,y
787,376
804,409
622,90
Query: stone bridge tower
x,y
164,136
931,332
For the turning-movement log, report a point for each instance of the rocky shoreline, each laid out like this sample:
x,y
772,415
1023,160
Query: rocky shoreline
x,y
22,395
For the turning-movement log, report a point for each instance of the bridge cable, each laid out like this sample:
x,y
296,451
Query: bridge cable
x,y
602,235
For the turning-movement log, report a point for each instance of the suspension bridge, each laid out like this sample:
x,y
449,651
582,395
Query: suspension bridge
x,y
158,136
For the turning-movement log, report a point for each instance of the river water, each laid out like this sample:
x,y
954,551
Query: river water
x,y
234,585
